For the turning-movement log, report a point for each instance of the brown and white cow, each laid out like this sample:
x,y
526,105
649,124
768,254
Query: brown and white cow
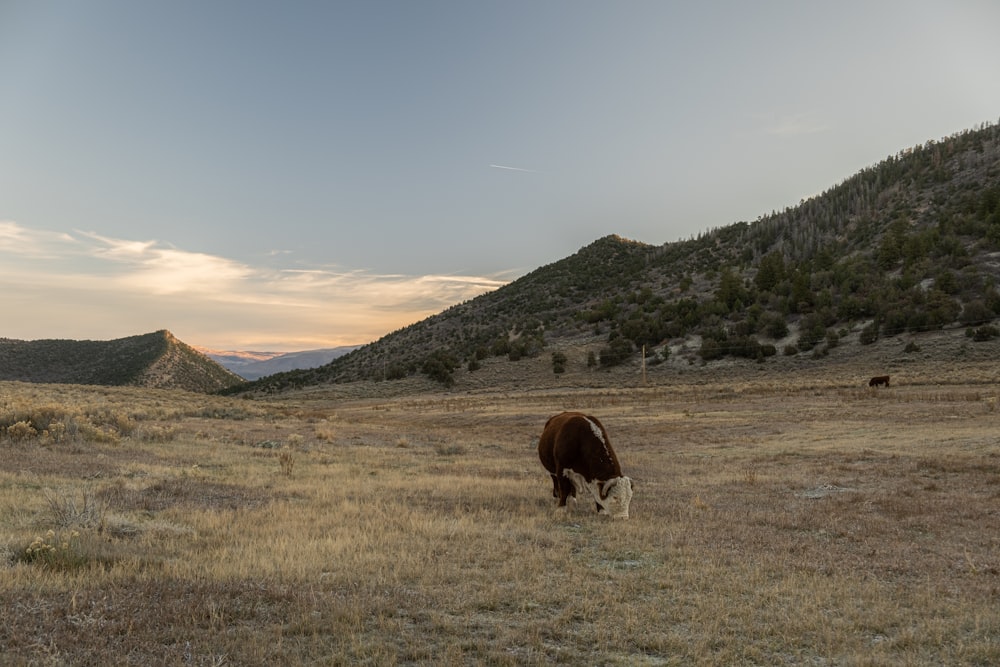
x,y
576,451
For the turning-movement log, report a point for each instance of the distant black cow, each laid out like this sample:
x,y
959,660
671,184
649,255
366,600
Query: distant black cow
x,y
879,379
576,451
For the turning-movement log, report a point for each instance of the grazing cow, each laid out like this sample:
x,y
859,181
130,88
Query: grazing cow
x,y
879,379
576,451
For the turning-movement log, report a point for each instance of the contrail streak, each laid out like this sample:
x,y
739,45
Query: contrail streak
x,y
500,166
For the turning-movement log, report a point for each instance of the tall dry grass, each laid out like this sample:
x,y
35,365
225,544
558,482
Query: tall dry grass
x,y
772,524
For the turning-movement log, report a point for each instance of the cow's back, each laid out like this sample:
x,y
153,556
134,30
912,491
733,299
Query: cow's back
x,y
575,441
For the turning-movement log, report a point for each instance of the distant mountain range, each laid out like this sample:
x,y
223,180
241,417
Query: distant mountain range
x,y
254,365
155,359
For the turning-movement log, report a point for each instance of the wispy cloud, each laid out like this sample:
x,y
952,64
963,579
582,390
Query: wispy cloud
x,y
793,124
152,267
501,166
86,285
31,243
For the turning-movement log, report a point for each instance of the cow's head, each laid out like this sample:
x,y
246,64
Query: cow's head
x,y
615,497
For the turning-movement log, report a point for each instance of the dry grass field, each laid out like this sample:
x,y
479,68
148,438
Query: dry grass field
x,y
776,521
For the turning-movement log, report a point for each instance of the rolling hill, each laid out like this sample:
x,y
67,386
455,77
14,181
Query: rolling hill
x,y
156,359
905,247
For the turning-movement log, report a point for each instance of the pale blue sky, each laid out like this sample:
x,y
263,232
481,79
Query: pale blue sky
x,y
290,175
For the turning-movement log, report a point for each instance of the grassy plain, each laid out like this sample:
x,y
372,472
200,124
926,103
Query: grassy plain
x,y
775,521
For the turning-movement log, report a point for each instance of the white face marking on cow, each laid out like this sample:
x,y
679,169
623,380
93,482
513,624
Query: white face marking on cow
x,y
617,498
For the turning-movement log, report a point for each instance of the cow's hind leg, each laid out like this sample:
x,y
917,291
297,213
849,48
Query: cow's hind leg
x,y
565,486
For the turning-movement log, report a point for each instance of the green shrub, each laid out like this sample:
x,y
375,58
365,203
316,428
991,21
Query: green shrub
x,y
975,312
869,334
558,363
396,372
774,325
501,346
984,333
811,331
711,349
440,366
616,352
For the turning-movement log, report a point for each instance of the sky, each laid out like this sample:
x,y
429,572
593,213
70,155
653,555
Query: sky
x,y
296,175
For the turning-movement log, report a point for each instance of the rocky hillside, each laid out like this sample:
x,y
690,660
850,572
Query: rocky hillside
x,y
150,360
906,247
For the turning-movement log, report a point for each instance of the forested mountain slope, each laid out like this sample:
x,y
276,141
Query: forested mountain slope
x,y
911,244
